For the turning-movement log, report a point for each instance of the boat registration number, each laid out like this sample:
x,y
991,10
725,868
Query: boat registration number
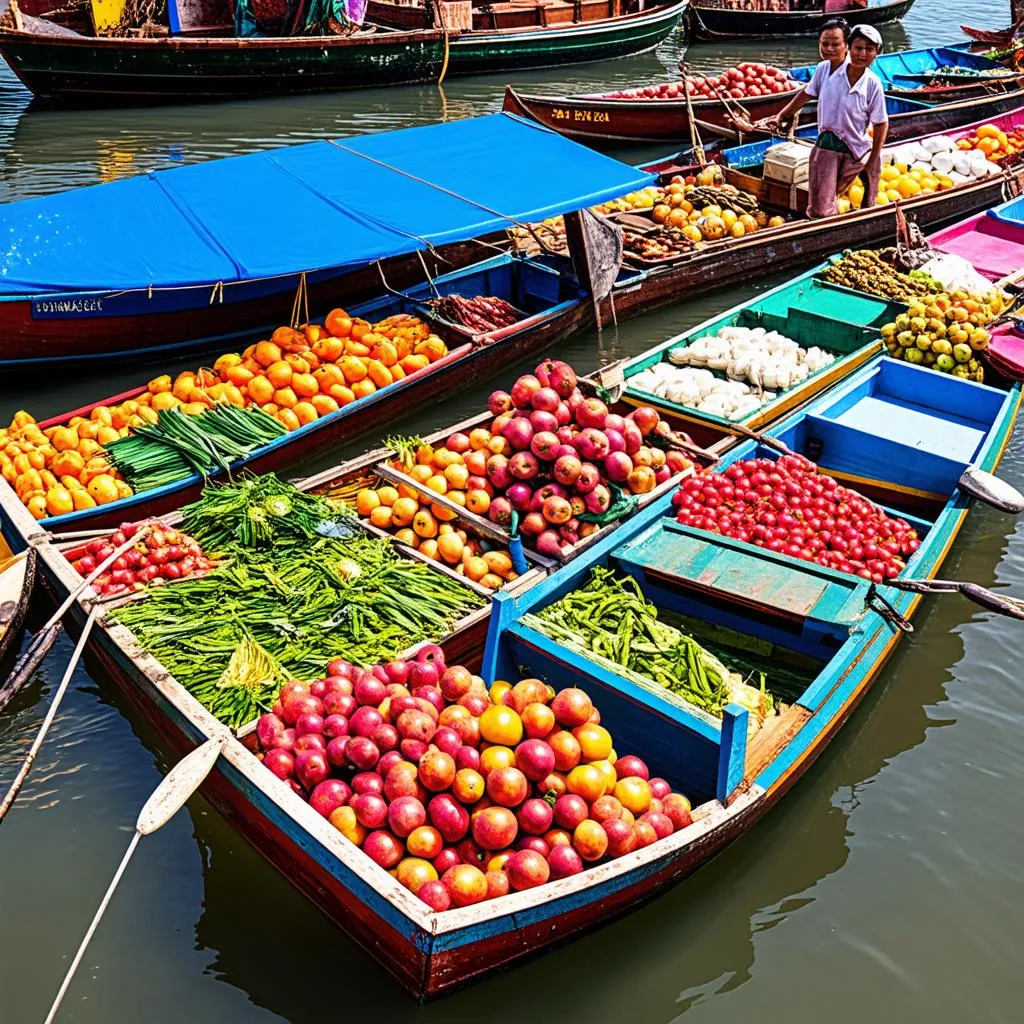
x,y
560,114
44,309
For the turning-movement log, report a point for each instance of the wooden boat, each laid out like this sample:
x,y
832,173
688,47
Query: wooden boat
x,y
58,64
601,120
512,36
798,242
810,311
104,290
710,20
998,39
825,620
555,308
17,579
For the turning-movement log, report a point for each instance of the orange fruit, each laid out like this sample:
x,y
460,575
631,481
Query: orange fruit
x,y
261,390
364,387
266,353
285,398
404,510
306,412
586,780
327,376
287,418
379,373
159,384
324,404
450,547
328,348
387,495
103,488
353,368
502,725
424,524
305,385
476,568
58,501
379,516
595,741
279,374
367,500
37,506
338,323
81,498
496,757
412,364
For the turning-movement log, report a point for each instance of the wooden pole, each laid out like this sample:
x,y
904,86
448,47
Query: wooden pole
x,y
574,240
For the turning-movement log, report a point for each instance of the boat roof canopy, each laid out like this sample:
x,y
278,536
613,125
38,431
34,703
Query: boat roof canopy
x,y
329,204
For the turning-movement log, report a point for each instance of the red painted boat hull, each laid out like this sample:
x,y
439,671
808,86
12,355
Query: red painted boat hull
x,y
203,317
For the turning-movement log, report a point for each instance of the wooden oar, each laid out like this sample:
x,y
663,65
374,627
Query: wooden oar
x,y
44,640
164,802
1012,607
26,765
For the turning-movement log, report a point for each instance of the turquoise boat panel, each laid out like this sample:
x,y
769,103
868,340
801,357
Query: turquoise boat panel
x,y
809,598
891,67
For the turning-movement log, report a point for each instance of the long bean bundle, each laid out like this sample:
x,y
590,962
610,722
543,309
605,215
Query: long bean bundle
x,y
356,599
178,445
256,512
610,618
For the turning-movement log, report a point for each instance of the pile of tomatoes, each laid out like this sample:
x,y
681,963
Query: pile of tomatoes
x,y
464,794
790,507
742,81
159,553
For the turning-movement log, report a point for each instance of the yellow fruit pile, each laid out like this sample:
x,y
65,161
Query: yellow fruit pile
x,y
418,521
63,469
996,144
689,208
945,331
897,183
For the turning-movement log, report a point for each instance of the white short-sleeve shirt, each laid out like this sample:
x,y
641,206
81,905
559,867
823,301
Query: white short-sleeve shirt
x,y
846,111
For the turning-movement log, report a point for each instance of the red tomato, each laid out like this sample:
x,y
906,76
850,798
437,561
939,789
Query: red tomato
x,y
759,68
738,93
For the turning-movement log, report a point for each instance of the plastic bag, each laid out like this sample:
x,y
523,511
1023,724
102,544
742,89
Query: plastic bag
x,y
954,272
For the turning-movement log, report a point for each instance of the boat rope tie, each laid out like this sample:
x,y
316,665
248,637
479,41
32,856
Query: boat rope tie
x,y
301,302
695,139
217,295
426,272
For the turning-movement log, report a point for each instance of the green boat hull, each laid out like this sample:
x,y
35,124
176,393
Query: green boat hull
x,y
77,69
481,53
73,69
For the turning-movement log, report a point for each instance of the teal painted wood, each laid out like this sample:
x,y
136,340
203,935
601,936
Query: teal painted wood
x,y
732,753
811,312
677,744
747,573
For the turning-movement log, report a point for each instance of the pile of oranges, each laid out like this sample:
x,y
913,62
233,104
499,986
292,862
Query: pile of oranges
x,y
299,375
995,143
63,469
415,519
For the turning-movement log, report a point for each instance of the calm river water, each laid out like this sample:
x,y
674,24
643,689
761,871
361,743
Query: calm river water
x,y
885,887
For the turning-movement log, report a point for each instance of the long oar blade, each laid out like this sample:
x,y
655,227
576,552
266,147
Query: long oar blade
x,y
990,489
178,785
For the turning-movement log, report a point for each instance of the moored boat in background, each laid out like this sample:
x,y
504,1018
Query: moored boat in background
x,y
105,290
712,19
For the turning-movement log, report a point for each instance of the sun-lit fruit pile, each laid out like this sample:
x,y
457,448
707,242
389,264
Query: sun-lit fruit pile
x,y
711,210
63,469
945,332
300,375
458,472
464,794
994,142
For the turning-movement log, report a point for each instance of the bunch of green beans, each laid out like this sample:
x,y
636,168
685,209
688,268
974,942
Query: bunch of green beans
x,y
179,445
609,617
355,599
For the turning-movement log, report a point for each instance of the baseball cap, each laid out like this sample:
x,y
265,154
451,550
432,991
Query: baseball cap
x,y
868,32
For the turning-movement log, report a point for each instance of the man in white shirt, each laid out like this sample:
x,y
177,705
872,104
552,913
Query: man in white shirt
x,y
850,99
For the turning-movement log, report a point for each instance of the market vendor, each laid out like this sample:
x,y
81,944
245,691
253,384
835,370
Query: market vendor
x,y
851,101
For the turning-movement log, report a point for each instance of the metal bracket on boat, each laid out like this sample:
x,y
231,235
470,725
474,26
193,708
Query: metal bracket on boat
x,y
990,489
612,380
878,603
1010,606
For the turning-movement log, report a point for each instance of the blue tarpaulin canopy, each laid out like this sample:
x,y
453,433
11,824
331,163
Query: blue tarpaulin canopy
x,y
321,205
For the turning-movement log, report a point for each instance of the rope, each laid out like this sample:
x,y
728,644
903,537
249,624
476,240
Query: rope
x,y
217,295
695,140
301,301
